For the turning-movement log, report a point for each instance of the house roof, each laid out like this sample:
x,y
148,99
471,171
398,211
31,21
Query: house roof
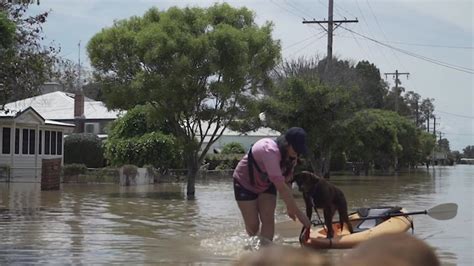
x,y
261,132
13,114
59,105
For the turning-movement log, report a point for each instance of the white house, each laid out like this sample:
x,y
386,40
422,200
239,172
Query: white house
x,y
246,139
27,138
88,115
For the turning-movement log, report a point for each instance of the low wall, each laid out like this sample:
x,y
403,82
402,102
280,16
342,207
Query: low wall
x,y
116,176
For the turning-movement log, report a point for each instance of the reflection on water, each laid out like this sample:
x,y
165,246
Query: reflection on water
x,y
155,224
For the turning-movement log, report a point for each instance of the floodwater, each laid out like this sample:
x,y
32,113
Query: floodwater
x,y
155,224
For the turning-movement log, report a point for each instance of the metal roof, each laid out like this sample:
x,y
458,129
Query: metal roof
x,y
59,105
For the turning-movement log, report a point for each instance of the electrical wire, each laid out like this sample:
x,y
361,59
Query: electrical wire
x,y
458,115
431,60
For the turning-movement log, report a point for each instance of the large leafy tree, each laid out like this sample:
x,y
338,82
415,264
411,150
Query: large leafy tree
x,y
25,63
372,87
443,145
468,152
412,100
427,109
374,138
315,100
199,69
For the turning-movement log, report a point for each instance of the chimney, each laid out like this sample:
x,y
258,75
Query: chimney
x,y
79,117
78,105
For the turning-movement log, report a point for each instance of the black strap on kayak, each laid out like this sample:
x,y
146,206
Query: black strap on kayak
x,y
252,163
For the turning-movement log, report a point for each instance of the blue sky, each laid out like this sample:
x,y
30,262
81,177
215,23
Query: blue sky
x,y
440,30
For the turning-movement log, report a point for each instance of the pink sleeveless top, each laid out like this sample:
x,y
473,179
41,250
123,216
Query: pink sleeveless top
x,y
267,156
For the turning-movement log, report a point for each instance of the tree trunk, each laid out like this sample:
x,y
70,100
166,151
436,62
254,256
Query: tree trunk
x,y
326,171
316,163
192,167
366,168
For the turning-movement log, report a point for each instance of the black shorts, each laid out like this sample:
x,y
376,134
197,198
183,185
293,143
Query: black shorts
x,y
242,193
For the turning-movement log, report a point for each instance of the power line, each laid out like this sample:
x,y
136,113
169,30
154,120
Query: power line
x,y
424,44
287,10
459,134
381,30
431,60
369,30
319,37
434,45
299,42
291,12
297,9
458,115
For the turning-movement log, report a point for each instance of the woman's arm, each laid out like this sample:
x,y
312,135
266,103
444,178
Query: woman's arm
x,y
292,209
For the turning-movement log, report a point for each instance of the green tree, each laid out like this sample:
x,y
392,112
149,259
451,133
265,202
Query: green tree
x,y
7,31
372,87
301,99
427,109
200,69
443,145
428,143
25,63
412,99
137,138
468,152
383,139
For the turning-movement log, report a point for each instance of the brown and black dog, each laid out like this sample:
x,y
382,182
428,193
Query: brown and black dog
x,y
319,193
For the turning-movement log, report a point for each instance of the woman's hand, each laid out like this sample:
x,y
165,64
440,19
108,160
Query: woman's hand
x,y
292,209
298,214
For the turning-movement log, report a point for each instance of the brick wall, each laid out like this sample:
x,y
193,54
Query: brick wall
x,y
51,174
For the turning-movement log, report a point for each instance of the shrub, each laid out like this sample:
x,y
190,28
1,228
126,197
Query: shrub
x,y
156,149
84,149
233,148
223,161
74,169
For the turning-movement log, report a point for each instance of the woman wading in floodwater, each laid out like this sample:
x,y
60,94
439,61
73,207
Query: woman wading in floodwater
x,y
266,169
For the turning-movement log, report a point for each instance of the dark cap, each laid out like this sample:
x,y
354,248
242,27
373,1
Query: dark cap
x,y
296,137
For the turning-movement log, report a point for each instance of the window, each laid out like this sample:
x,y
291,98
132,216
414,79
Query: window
x,y
40,141
17,141
24,148
46,142
60,143
6,140
92,128
53,142
32,141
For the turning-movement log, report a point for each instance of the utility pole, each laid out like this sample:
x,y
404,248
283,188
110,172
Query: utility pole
x,y
332,25
397,81
440,135
434,125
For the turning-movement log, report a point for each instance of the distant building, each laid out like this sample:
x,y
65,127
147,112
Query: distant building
x,y
245,139
88,115
27,138
466,161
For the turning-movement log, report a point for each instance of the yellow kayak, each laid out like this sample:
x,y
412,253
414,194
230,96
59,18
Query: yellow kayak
x,y
363,229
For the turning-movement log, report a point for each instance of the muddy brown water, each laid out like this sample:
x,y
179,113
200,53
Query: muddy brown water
x,y
155,224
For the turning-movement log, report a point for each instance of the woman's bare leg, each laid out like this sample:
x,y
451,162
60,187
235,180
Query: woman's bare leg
x,y
249,210
266,208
